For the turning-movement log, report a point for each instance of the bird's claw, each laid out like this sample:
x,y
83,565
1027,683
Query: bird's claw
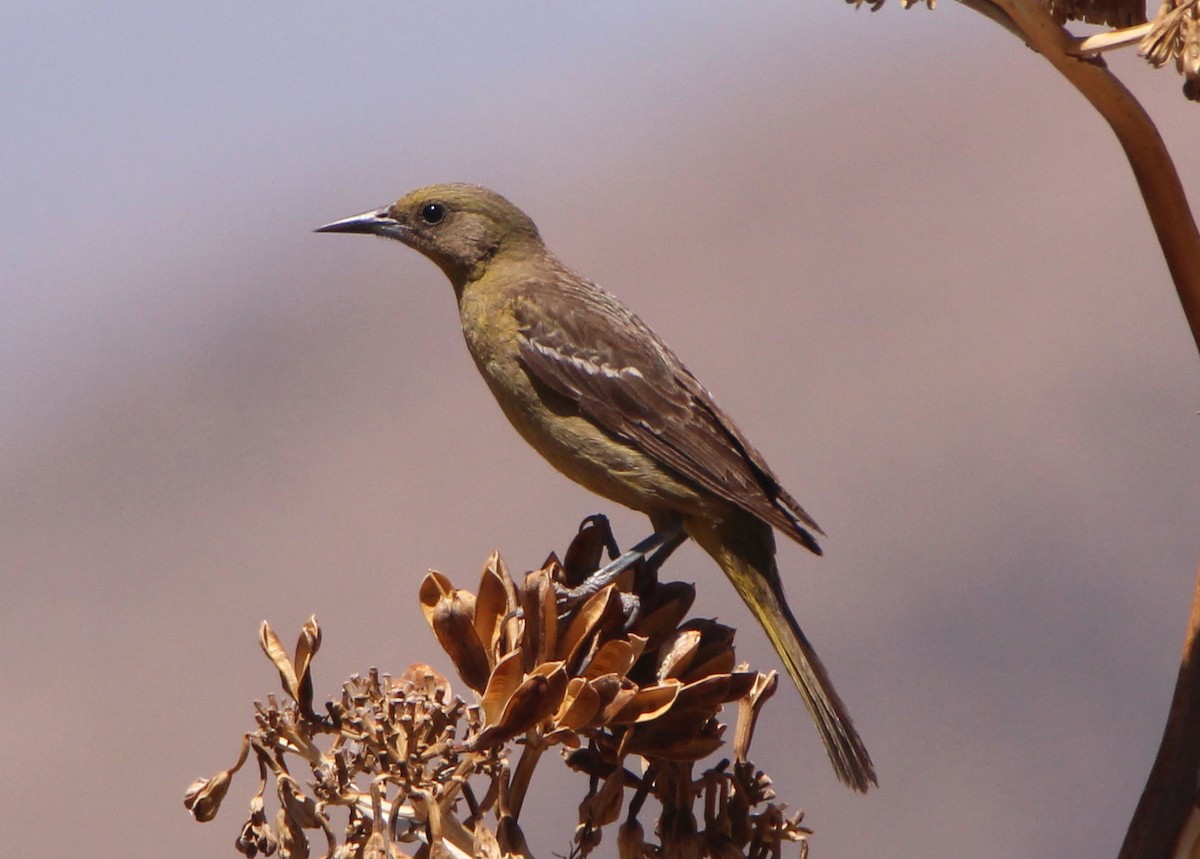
x,y
651,552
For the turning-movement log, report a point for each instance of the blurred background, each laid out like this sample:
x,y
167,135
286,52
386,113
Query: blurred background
x,y
902,252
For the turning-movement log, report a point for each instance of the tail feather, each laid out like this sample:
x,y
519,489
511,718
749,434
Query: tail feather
x,y
745,549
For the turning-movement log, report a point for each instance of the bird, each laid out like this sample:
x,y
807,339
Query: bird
x,y
599,395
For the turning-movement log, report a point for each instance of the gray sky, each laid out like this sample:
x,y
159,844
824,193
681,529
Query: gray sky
x,y
903,254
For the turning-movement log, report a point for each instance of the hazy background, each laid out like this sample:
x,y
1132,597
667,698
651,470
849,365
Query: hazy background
x,y
903,253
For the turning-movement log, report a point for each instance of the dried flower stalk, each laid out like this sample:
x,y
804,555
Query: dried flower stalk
x,y
617,680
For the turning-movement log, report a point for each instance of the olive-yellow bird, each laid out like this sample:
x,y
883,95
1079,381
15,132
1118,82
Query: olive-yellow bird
x,y
600,396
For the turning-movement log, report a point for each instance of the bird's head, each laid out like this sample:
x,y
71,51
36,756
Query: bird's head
x,y
460,227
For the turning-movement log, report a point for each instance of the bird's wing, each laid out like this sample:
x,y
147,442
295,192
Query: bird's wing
x,y
582,343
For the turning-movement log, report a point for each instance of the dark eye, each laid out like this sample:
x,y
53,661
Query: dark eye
x,y
433,213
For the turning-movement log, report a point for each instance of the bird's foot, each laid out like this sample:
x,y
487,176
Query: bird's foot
x,y
651,553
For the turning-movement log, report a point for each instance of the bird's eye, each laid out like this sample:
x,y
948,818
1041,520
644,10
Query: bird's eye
x,y
433,213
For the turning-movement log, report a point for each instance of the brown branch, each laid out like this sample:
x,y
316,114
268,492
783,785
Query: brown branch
x,y
1170,796
1163,193
1170,792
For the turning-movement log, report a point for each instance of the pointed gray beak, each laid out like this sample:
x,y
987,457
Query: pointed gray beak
x,y
377,222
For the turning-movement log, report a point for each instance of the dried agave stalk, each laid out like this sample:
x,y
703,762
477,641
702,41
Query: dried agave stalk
x,y
1174,34
617,679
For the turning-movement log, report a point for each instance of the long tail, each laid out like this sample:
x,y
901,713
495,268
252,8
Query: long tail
x,y
745,549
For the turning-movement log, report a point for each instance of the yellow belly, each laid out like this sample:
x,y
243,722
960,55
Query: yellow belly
x,y
584,452
553,425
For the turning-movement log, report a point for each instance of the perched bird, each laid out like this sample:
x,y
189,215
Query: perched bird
x,y
600,396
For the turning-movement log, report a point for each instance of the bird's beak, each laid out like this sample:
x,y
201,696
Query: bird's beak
x,y
376,222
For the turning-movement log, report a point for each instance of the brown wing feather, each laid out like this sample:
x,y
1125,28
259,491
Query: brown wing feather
x,y
584,344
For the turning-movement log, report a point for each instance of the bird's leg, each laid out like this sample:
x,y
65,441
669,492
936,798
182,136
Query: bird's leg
x,y
653,550
678,538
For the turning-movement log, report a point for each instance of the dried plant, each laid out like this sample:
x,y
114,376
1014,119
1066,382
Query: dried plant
x,y
613,676
1175,35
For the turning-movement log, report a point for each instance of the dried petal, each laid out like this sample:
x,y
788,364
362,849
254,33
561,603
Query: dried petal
x,y
604,806
601,613
487,846
256,835
715,654
511,838
276,652
203,796
1189,53
447,837
433,587
674,748
718,662
301,809
749,706
676,737
615,656
677,653
376,847
307,646
293,843
533,702
539,604
431,682
579,705
711,692
647,703
592,761
1175,34
631,840
453,618
662,611
613,697
501,685
496,601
